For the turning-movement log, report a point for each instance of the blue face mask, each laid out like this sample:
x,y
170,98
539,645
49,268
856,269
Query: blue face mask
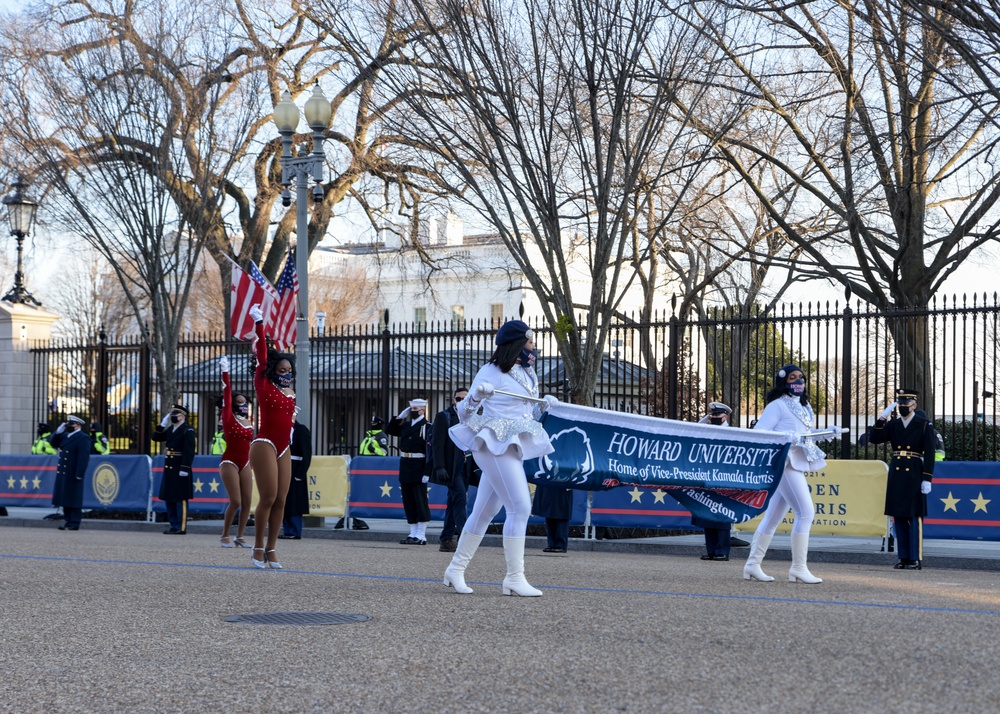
x,y
283,380
242,410
528,358
796,388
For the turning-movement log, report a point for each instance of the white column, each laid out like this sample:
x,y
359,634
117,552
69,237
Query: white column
x,y
21,328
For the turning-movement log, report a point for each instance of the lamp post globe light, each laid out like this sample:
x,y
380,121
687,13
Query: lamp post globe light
x,y
21,214
300,168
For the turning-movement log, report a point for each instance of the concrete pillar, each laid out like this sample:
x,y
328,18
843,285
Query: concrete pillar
x,y
21,327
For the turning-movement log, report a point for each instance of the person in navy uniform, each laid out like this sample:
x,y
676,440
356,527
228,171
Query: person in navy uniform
x,y
555,505
74,455
911,470
297,500
411,428
176,488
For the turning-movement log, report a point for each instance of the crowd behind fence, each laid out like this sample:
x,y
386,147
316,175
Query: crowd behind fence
x,y
668,366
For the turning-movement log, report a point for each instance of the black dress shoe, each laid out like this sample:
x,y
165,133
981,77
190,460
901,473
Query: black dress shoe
x,y
907,565
409,540
289,537
708,557
553,550
738,543
722,557
69,528
171,531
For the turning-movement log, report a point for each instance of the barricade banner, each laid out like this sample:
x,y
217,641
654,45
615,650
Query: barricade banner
x,y
721,474
849,497
328,485
375,489
961,502
637,508
111,482
209,493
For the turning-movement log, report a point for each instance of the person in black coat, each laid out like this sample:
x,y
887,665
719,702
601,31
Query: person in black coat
x,y
411,428
555,505
450,469
74,456
718,535
176,488
911,470
297,501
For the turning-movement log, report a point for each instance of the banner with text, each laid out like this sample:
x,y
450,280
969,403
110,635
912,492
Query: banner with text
x,y
849,497
328,486
719,473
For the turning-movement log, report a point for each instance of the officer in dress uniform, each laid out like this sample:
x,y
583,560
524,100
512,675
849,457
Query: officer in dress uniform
x,y
297,500
176,488
42,445
411,427
98,440
913,443
74,455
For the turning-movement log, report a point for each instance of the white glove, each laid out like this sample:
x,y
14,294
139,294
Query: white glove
x,y
888,411
404,414
484,391
165,421
256,314
550,401
925,487
183,474
224,363
425,479
62,428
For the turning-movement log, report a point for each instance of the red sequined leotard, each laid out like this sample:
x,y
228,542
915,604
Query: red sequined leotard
x,y
277,409
238,436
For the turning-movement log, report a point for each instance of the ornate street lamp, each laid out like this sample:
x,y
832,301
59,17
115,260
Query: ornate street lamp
x,y
21,214
300,168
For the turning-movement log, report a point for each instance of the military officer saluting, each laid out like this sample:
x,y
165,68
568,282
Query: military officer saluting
x,y
176,488
74,455
913,443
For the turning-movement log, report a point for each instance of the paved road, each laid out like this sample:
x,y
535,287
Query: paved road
x,y
110,621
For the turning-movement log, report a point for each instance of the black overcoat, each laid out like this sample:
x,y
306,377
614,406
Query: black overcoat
x,y
74,455
446,454
553,502
912,462
411,440
179,442
297,501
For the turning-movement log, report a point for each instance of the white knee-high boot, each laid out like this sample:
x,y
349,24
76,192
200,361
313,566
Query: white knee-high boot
x,y
454,576
799,572
758,547
515,583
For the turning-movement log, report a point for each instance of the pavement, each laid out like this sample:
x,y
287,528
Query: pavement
x,y
119,618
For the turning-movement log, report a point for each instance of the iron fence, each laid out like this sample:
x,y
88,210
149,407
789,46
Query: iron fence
x,y
668,366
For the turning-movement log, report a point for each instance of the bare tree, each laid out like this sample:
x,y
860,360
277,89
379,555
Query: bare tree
x,y
547,118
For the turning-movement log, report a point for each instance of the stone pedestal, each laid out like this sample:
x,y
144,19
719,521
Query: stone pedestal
x,y
21,328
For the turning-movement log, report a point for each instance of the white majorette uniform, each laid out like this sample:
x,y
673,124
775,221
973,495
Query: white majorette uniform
x,y
500,438
788,414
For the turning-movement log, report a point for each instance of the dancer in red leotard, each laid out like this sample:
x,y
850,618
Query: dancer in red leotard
x,y
269,456
234,468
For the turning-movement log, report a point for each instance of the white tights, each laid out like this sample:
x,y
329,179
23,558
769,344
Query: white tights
x,y
792,492
502,484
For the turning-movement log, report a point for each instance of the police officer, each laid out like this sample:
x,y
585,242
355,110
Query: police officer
x,y
176,488
411,427
42,444
74,455
913,443
297,500
98,441
375,443
218,447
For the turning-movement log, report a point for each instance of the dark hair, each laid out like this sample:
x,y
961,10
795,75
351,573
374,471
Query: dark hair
x,y
273,357
778,390
459,389
505,356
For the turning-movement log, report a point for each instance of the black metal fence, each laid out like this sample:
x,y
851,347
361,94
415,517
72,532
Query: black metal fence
x,y
670,366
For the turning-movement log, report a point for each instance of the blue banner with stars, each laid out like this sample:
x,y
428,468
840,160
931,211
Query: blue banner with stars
x,y
719,474
111,482
209,493
375,490
964,501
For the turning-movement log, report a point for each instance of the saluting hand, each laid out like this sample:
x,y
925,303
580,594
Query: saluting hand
x,y
887,412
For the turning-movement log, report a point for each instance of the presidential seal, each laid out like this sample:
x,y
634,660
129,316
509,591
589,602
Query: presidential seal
x,y
106,483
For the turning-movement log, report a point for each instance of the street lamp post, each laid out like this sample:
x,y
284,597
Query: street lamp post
x,y
21,214
300,169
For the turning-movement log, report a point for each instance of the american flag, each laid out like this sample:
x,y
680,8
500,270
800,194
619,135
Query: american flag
x,y
282,320
247,288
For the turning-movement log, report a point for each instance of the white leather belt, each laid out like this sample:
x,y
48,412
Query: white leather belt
x,y
296,458
412,455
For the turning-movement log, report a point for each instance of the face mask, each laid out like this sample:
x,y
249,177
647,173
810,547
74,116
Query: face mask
x,y
414,414
528,358
175,418
905,410
717,420
283,380
796,388
242,409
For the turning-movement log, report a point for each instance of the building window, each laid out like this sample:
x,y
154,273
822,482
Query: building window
x,y
420,319
496,314
458,317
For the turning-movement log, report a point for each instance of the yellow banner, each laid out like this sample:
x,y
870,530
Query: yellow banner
x,y
327,486
849,497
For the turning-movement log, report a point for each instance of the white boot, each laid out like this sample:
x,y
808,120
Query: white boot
x,y
514,583
454,576
799,572
758,547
